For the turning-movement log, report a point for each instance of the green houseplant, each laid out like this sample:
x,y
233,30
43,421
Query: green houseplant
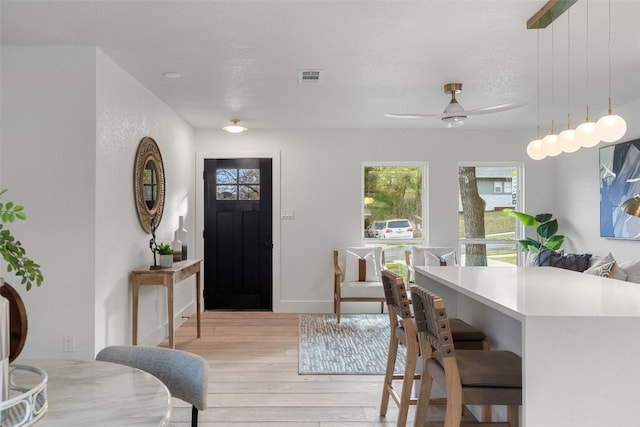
x,y
12,250
165,249
546,231
12,315
166,254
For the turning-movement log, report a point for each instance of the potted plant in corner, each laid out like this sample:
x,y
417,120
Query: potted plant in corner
x,y
546,229
13,326
166,255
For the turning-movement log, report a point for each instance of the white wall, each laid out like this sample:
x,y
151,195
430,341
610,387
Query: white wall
x,y
320,179
126,112
71,123
48,163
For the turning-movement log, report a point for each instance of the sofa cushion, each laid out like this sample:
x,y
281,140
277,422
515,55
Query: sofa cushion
x,y
550,258
361,290
361,266
632,270
532,259
606,267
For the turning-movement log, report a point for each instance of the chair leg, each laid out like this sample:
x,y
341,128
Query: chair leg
x,y
486,413
513,415
388,377
194,416
424,394
453,416
337,311
407,386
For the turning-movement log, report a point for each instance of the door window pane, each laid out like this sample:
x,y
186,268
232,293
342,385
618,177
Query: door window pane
x,y
227,176
249,176
238,184
249,192
226,192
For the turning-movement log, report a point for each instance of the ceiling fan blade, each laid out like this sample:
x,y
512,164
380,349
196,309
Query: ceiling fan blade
x,y
494,109
410,116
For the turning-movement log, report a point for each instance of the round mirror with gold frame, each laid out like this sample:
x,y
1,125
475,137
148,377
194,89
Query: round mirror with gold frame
x,y
148,183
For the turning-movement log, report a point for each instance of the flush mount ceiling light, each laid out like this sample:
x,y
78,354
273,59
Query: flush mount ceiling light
x,y
234,127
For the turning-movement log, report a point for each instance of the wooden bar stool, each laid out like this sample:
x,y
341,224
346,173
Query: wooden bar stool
x,y
403,332
469,377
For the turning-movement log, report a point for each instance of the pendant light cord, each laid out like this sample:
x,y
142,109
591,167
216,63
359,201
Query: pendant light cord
x,y
552,74
610,111
538,81
569,68
588,118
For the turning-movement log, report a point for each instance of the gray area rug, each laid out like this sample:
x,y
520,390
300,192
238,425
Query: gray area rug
x,y
356,346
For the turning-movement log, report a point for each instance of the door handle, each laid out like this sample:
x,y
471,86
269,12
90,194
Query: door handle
x,y
266,245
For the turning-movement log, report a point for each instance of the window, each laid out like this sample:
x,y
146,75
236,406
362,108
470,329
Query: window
x,y
238,184
487,235
392,209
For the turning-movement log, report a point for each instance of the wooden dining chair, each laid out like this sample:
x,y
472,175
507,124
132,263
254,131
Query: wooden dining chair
x,y
184,374
356,277
420,256
403,332
469,377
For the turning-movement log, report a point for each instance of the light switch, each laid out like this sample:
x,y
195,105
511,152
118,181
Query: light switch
x,y
287,214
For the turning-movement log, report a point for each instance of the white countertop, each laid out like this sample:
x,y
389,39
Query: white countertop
x,y
521,292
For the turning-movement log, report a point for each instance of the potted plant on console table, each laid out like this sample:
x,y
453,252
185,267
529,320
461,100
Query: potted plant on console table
x,y
13,320
166,255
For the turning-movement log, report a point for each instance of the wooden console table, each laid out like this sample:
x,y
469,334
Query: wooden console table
x,y
167,277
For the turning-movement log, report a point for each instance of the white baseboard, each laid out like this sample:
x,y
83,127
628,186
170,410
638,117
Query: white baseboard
x,y
326,307
161,332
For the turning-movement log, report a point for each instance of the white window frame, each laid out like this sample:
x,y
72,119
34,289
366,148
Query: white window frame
x,y
519,166
423,202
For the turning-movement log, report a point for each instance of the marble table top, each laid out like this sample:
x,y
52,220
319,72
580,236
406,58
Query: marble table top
x,y
91,393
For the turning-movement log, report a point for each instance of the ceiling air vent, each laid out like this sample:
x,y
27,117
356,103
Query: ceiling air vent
x,y
309,76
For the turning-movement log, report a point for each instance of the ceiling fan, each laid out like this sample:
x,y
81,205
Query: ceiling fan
x,y
455,114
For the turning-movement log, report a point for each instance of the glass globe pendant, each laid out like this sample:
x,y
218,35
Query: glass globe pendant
x,y
534,149
612,127
550,144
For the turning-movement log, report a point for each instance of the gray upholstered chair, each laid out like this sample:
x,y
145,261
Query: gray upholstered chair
x,y
469,377
184,374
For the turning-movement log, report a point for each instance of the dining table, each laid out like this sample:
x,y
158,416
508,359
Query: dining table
x,y
82,393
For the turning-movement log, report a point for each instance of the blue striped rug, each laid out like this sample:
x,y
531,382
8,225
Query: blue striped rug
x,y
358,345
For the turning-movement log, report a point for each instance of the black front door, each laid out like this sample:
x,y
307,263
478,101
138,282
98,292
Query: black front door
x,y
238,234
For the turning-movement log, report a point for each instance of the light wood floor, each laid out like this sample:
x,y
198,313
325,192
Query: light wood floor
x,y
254,381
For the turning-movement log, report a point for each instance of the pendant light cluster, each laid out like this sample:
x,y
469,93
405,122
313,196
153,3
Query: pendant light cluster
x,y
609,128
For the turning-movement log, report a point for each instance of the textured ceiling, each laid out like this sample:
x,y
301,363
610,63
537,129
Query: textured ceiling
x,y
241,58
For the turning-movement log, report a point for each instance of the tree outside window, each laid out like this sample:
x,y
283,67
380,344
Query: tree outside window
x,y
487,234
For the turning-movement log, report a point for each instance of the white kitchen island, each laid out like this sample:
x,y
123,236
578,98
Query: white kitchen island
x,y
578,335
